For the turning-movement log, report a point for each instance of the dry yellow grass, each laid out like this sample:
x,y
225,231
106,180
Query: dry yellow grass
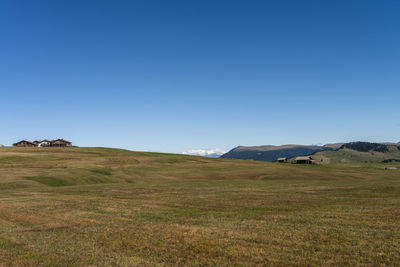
x,y
103,207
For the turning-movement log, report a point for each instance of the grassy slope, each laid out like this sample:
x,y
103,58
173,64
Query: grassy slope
x,y
96,206
347,156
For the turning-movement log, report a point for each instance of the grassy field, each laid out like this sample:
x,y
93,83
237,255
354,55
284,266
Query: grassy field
x,y
102,207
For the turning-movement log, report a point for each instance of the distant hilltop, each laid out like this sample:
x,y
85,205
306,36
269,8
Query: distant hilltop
x,y
43,143
360,152
272,153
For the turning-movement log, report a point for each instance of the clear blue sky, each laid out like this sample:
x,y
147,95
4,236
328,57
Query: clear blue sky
x,y
177,75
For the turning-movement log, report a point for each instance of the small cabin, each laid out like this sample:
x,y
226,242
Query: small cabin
x,y
304,160
281,160
24,143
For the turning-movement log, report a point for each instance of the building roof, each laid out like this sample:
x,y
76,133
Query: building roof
x,y
304,158
282,159
61,140
23,141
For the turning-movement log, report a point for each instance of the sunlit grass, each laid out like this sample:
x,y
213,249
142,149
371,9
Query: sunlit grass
x,y
103,207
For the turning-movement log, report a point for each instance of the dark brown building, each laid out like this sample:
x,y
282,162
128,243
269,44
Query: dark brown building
x,y
60,143
24,143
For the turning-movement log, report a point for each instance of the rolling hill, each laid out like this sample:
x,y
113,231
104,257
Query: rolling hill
x,y
272,153
329,153
113,207
360,152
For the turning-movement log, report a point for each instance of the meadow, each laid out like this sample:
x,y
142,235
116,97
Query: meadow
x,y
102,207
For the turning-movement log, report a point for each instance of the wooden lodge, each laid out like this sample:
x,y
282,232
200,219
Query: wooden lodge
x,y
44,143
24,143
304,160
60,143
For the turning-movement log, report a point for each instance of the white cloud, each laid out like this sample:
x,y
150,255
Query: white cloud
x,y
216,152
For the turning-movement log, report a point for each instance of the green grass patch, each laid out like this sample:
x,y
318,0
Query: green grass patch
x,y
49,181
103,171
9,245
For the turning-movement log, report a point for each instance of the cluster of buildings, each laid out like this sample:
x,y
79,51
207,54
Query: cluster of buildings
x,y
43,143
298,160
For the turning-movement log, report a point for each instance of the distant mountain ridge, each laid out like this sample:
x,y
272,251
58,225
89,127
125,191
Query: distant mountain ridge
x,y
272,153
366,146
